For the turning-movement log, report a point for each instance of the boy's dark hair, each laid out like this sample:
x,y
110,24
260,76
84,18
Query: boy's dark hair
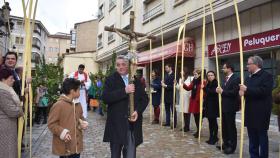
x,y
11,53
229,66
69,84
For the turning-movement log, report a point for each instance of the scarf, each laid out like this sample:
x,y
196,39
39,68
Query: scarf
x,y
196,83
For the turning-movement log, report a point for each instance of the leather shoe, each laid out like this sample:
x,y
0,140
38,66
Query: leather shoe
x,y
219,147
166,124
228,151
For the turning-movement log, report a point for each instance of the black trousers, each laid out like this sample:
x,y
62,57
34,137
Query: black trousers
x,y
168,110
128,150
258,143
229,130
71,156
41,111
187,120
213,128
196,120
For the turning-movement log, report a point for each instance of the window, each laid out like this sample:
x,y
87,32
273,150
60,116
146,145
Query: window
x,y
153,12
127,4
19,23
99,41
19,40
112,4
73,38
101,12
50,49
111,36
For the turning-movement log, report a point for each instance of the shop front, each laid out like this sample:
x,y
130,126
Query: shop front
x,y
168,53
265,44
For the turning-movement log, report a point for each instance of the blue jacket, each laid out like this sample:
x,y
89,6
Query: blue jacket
x,y
156,84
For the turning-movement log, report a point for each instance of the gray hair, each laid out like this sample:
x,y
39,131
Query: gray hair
x,y
122,57
257,60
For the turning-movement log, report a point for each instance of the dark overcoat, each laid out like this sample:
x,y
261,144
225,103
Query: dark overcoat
x,y
258,100
117,119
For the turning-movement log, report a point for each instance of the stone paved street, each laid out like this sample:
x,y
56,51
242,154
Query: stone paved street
x,y
159,142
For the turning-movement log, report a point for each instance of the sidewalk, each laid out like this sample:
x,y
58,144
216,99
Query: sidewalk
x,y
159,142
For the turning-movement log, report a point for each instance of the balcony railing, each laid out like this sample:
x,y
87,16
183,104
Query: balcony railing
x,y
127,5
157,10
99,45
38,32
112,4
100,15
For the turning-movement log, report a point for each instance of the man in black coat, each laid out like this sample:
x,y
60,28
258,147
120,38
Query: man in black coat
x,y
258,103
230,104
168,85
123,133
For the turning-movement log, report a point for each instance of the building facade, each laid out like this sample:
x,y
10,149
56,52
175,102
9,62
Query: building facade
x,y
39,43
82,47
57,45
164,17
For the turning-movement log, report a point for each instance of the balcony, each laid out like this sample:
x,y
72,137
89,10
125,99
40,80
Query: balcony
x,y
153,13
100,16
111,38
147,1
127,5
99,45
178,2
36,44
37,32
112,4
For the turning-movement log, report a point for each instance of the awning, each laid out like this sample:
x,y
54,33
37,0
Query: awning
x,y
167,51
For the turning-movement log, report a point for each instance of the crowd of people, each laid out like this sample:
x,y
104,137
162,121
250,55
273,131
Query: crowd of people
x,y
257,91
123,130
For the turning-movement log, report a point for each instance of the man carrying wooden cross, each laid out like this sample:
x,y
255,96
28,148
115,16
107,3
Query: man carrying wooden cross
x,y
124,120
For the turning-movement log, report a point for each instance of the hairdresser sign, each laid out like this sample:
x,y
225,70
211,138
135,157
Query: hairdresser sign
x,y
252,42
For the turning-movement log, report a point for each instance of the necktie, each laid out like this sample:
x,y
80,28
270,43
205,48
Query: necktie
x,y
226,79
125,79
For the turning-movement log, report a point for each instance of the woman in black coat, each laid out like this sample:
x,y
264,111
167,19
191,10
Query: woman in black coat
x,y
211,105
156,95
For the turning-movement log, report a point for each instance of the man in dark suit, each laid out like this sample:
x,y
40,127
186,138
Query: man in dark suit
x,y
168,84
258,102
123,133
230,104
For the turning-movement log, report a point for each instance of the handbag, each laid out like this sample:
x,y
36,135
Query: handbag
x,y
44,102
94,103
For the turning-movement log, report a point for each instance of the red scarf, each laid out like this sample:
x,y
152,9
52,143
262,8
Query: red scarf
x,y
77,78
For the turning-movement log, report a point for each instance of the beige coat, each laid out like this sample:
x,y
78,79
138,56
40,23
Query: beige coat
x,y
183,96
10,110
64,116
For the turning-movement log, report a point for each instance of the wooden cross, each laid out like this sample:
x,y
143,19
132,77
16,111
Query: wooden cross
x,y
132,37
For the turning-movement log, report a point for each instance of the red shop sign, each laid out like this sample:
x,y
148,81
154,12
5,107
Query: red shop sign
x,y
252,42
168,51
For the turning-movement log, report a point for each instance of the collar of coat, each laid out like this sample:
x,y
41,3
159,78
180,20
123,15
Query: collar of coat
x,y
63,97
9,89
257,73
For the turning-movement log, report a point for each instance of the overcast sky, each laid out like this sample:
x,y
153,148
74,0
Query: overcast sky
x,y
59,15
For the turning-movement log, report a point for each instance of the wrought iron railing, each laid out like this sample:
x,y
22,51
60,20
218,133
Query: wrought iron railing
x,y
153,12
